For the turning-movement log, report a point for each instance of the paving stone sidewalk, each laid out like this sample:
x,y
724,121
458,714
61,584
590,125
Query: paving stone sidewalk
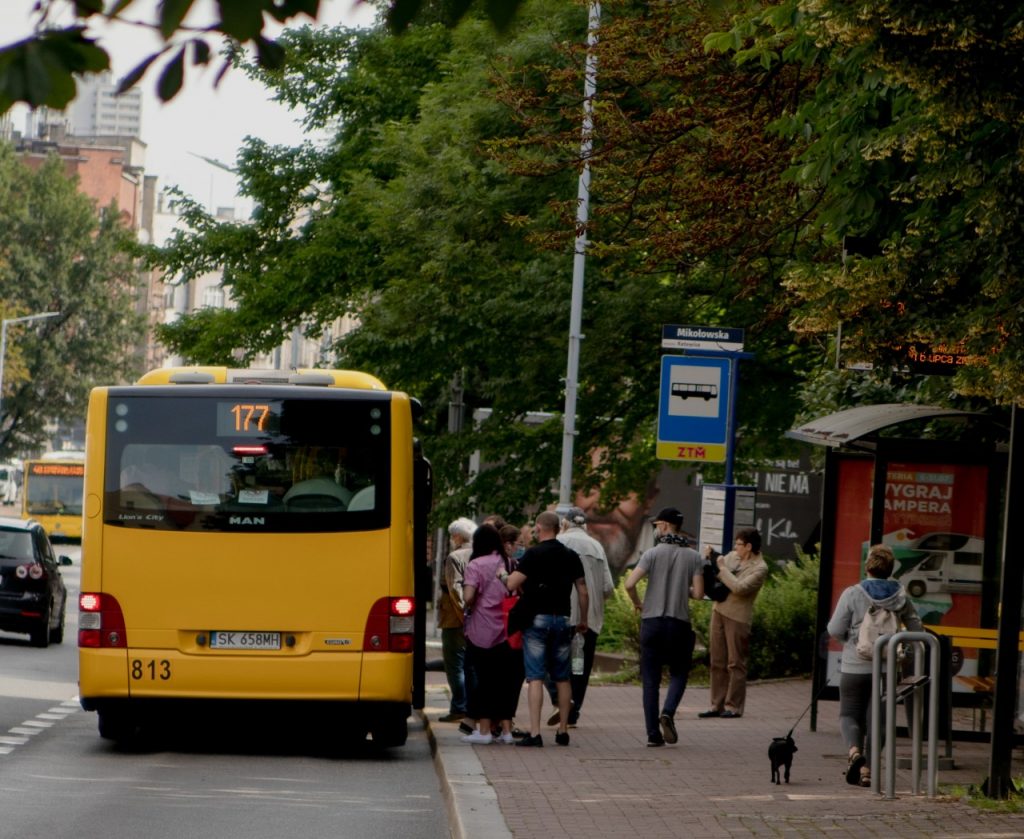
x,y
714,782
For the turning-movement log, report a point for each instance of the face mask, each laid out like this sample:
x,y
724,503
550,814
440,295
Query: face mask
x,y
518,553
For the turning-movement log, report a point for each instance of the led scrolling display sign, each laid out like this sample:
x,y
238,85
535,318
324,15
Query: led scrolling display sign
x,y
247,419
64,470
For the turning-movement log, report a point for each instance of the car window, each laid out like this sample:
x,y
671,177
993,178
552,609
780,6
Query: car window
x,y
943,542
43,548
16,543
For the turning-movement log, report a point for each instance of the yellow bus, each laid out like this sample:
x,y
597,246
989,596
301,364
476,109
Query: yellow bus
x,y
250,539
52,493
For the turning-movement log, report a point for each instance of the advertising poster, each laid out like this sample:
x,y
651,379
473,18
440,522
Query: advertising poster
x,y
934,520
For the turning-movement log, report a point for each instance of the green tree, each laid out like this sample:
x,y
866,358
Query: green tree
x,y
910,144
403,220
691,220
58,255
441,215
41,69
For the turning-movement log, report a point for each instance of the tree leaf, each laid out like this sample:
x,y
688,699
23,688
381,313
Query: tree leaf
x,y
401,14
87,8
130,79
241,19
502,12
200,51
269,54
285,9
172,13
171,78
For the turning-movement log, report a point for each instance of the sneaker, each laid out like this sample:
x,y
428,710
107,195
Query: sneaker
x,y
466,728
454,716
655,742
478,739
729,715
562,738
531,740
507,738
712,713
555,718
668,729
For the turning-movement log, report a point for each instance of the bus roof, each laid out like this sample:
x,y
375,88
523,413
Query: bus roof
x,y
231,375
71,454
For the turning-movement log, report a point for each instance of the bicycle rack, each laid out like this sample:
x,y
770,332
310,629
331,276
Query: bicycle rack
x,y
893,693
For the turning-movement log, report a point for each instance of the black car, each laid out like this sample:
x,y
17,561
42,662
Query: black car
x,y
33,597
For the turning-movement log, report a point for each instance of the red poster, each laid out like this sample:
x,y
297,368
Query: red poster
x,y
934,520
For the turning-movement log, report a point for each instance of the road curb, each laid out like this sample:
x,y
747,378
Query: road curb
x,y
470,799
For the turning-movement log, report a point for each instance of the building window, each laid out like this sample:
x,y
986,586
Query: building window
x,y
213,297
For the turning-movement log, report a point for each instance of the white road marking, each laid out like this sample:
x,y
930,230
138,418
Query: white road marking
x,y
19,735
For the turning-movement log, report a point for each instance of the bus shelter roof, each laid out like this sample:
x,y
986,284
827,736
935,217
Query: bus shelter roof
x,y
863,423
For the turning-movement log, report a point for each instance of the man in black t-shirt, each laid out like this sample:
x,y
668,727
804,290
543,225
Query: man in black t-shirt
x,y
546,575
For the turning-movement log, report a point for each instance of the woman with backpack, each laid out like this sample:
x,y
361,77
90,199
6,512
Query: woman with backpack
x,y
877,603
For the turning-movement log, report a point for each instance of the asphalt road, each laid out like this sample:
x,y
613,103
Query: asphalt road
x,y
227,778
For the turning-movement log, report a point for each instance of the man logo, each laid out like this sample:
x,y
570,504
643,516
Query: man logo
x,y
247,520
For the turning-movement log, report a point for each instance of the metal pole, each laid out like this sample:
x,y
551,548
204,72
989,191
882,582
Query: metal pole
x,y
579,262
890,642
890,717
1000,775
3,353
730,437
876,716
915,722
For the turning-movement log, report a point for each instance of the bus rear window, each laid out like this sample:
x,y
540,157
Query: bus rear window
x,y
216,463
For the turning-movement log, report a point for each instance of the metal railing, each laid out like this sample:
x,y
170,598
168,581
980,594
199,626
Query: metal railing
x,y
894,691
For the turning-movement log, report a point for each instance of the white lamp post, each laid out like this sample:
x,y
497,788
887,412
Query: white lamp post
x,y
578,264
3,346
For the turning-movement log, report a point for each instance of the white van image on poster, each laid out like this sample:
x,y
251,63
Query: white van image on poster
x,y
953,564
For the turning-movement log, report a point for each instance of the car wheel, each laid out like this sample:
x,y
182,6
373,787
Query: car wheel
x,y
57,633
916,589
40,636
389,731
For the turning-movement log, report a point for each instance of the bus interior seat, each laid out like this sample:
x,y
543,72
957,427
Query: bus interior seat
x,y
320,495
365,499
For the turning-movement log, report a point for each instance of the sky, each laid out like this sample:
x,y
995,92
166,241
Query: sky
x,y
200,120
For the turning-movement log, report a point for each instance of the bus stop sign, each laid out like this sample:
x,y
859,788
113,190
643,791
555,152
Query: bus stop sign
x,y
693,408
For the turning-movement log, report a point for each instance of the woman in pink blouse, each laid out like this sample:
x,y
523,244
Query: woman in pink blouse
x,y
488,668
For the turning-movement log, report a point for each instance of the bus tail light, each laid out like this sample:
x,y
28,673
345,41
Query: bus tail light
x,y
390,625
100,621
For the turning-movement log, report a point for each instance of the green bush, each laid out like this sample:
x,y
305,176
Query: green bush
x,y
782,636
621,630
782,641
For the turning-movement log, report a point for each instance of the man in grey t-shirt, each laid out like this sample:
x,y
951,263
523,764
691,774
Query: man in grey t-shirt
x,y
675,574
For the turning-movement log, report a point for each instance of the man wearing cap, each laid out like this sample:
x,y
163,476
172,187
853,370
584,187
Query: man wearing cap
x,y
600,586
675,574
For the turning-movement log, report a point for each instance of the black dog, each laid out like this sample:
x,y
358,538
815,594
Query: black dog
x,y
780,752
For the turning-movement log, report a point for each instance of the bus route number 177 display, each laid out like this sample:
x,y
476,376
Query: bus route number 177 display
x,y
246,419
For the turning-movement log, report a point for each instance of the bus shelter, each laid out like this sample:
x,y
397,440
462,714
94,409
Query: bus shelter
x,y
929,482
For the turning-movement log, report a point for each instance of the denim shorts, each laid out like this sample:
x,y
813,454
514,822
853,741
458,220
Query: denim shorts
x,y
546,648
